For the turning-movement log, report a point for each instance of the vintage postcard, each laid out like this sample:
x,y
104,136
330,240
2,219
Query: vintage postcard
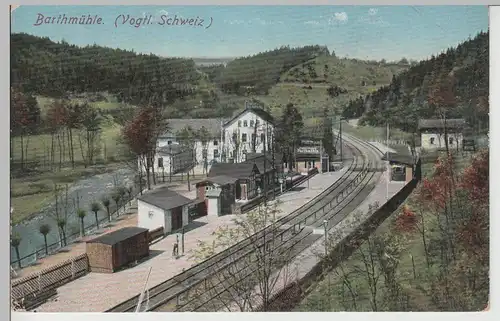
x,y
249,158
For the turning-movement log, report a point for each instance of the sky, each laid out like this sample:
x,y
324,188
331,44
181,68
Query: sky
x,y
364,32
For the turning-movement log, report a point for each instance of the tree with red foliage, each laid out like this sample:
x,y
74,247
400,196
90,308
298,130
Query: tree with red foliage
x,y
141,135
406,221
434,191
442,97
475,179
473,233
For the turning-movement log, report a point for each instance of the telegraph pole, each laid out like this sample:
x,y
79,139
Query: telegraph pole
x,y
388,164
171,160
222,152
340,133
264,174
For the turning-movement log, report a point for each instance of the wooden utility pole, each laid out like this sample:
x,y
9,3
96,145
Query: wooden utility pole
x,y
265,158
388,164
340,133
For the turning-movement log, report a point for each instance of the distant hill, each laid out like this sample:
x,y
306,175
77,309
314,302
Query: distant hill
x,y
328,81
461,74
201,61
343,72
256,74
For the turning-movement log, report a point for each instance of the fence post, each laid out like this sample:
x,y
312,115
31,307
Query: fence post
x,y
40,282
73,269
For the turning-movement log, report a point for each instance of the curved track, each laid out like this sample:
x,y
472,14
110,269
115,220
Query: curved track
x,y
295,233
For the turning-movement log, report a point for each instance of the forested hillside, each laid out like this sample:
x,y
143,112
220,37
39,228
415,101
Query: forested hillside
x,y
455,82
46,68
258,73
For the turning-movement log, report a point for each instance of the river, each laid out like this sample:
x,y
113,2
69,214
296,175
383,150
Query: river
x,y
88,190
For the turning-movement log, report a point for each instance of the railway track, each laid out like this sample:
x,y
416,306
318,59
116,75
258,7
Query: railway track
x,y
293,237
290,246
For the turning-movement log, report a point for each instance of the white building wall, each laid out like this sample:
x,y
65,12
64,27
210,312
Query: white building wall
x,y
150,216
213,206
212,145
436,140
238,126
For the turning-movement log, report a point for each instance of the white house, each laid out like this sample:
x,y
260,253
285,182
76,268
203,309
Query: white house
x,y
432,133
174,155
247,132
169,159
163,208
225,140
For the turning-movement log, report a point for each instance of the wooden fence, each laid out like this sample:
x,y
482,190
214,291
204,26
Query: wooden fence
x,y
26,290
156,234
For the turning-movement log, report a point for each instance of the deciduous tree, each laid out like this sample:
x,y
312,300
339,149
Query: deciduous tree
x,y
289,131
95,207
442,98
25,117
81,213
141,135
245,283
44,229
15,241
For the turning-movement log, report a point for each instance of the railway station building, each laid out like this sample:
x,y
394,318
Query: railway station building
x,y
432,133
163,208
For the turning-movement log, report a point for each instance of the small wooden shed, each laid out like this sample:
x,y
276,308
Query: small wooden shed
x,y
109,252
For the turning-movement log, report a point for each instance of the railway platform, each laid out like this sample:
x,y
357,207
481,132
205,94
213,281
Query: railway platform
x,y
96,292
306,260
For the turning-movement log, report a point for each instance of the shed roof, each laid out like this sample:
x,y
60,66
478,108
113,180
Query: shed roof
x,y
399,158
213,192
118,236
165,198
235,170
220,180
439,123
260,160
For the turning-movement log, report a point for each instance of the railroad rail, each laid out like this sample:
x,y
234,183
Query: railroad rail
x,y
326,205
